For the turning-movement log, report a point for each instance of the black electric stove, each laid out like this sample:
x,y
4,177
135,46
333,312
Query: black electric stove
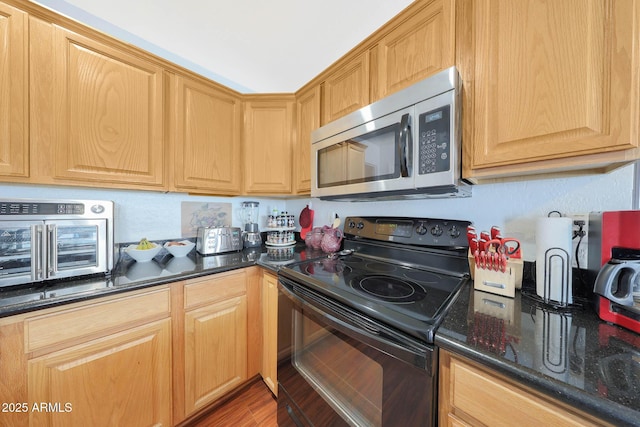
x,y
404,272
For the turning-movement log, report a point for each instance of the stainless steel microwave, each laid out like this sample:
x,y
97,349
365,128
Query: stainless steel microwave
x,y
406,145
53,239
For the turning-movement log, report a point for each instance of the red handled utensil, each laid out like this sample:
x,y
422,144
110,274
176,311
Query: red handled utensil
x,y
473,245
503,262
482,259
495,232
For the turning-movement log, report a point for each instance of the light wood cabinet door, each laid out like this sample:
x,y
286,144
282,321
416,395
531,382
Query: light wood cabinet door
x,y
215,339
268,144
473,395
14,92
121,379
270,332
206,124
417,47
107,114
307,119
346,89
551,81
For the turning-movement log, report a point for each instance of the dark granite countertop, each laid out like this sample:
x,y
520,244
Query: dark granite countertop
x,y
129,275
568,354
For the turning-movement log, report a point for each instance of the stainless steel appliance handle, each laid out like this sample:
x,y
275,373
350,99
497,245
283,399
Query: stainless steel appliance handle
x,y
52,245
356,326
36,253
404,145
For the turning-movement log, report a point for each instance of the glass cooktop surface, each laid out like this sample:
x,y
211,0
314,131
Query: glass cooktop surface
x,y
409,298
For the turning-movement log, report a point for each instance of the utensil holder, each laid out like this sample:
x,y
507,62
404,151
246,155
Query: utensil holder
x,y
497,282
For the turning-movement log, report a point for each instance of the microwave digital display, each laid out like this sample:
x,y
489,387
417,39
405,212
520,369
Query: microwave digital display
x,y
431,117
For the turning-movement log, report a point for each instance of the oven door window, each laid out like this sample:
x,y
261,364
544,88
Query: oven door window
x,y
348,379
16,248
78,246
370,157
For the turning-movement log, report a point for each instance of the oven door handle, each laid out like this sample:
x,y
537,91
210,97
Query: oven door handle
x,y
352,324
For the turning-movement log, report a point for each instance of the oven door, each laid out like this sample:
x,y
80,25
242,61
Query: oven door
x,y
370,157
21,252
76,247
337,367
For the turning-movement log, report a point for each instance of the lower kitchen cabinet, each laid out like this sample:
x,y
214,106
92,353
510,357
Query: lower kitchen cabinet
x,y
472,395
214,338
147,357
100,363
269,369
84,385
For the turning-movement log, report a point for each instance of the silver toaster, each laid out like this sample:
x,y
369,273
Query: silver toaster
x,y
216,240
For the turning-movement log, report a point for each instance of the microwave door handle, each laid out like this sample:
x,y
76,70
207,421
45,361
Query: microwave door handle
x,y
36,253
404,142
52,251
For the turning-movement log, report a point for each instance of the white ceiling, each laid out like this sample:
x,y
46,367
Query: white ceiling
x,y
249,45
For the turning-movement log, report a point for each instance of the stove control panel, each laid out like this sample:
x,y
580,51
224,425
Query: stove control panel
x,y
445,233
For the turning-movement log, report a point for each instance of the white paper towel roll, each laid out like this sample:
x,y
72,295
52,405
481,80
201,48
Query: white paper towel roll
x,y
553,260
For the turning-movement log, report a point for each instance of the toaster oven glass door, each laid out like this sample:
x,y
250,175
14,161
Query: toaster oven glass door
x,y
76,247
32,251
19,251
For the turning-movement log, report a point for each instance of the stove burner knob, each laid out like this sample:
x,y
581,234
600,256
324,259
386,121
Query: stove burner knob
x,y
421,229
436,230
360,225
352,224
454,232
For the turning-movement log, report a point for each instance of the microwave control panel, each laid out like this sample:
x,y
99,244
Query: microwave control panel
x,y
434,143
39,208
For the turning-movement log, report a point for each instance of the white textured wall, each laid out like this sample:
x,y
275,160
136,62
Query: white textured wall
x,y
138,213
512,206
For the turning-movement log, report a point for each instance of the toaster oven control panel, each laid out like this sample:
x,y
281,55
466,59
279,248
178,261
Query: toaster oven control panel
x,y
218,240
434,143
39,208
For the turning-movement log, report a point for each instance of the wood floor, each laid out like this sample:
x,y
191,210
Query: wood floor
x,y
253,406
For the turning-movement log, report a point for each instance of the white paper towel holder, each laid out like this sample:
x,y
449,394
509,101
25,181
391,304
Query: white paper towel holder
x,y
557,258
553,263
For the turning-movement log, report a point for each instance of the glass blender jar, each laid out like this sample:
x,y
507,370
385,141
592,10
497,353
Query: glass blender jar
x,y
250,214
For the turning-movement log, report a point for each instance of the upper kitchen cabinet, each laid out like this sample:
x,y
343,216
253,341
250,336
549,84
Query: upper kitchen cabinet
x,y
14,93
268,143
416,44
550,86
206,124
96,111
346,87
307,119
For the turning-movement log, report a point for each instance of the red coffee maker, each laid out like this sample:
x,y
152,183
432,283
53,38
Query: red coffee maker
x,y
614,254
